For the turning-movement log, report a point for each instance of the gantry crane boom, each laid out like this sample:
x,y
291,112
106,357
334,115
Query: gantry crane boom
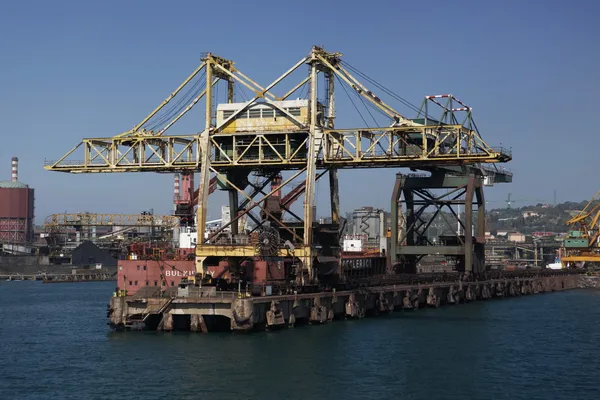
x,y
164,103
405,143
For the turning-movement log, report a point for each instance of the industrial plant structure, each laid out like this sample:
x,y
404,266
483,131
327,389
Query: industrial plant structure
x,y
267,153
277,140
16,209
111,232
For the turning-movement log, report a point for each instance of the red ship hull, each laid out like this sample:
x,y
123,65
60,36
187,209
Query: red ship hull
x,y
133,275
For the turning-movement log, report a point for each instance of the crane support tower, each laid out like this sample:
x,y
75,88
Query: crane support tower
x,y
413,194
281,140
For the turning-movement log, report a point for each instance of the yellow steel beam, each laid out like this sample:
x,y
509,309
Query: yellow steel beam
x,y
589,258
260,88
355,148
133,154
165,101
583,214
188,108
298,86
211,59
359,88
260,94
212,250
91,219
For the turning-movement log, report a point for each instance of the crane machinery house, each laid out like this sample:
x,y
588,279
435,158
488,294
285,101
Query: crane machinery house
x,y
266,117
274,130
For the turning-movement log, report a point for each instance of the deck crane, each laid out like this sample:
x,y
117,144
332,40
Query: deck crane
x,y
271,135
582,243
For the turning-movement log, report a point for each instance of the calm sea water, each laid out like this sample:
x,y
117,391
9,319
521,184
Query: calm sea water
x,y
54,344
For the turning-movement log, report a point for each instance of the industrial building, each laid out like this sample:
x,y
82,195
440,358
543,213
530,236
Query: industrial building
x,y
65,233
367,228
16,209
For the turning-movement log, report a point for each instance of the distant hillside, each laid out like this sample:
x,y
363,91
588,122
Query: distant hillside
x,y
534,218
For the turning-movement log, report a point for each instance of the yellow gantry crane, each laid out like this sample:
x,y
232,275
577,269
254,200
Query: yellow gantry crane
x,y
582,242
269,133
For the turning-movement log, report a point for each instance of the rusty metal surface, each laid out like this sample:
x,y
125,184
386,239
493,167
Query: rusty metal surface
x,y
16,203
265,312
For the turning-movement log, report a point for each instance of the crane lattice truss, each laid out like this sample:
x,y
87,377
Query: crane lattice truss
x,y
122,220
403,144
364,148
312,144
581,243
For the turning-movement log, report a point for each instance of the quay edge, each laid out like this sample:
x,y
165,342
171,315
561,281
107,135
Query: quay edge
x,y
206,310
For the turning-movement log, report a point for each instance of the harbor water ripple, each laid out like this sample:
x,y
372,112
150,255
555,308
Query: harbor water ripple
x,y
55,344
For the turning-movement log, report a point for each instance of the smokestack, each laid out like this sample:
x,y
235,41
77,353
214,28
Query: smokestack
x,y
276,186
186,189
15,169
176,188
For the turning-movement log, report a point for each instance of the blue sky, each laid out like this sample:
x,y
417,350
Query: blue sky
x,y
71,70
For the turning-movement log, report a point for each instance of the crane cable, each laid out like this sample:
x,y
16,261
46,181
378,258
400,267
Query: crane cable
x,y
175,109
169,114
406,102
383,88
352,101
166,116
172,111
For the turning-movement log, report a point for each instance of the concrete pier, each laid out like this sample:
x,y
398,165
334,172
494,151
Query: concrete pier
x,y
211,310
91,276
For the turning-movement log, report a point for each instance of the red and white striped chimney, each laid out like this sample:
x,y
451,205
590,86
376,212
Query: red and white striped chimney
x,y
15,169
176,188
